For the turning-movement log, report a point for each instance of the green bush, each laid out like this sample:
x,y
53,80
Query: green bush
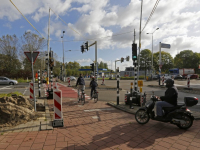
x,y
21,80
9,94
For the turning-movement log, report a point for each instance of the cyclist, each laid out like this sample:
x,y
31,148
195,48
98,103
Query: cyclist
x,y
93,85
81,83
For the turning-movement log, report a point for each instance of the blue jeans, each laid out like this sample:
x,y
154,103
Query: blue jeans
x,y
160,105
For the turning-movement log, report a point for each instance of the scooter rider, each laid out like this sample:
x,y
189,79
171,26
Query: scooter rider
x,y
93,85
169,100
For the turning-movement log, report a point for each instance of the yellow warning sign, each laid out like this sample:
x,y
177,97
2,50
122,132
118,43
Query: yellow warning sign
x,y
140,83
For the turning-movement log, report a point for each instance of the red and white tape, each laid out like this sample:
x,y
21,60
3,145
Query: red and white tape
x,y
31,91
68,79
163,80
103,80
188,81
57,96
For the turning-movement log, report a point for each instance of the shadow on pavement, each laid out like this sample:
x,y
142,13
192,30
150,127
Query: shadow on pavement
x,y
132,135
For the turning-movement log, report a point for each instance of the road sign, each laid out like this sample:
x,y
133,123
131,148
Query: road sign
x,y
140,83
35,55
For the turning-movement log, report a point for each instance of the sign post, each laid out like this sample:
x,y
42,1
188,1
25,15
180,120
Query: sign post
x,y
32,56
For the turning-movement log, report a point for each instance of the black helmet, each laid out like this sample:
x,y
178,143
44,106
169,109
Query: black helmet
x,y
169,83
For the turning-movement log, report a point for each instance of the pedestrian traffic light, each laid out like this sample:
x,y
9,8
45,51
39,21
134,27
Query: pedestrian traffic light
x,y
122,59
82,48
92,67
134,51
127,58
86,45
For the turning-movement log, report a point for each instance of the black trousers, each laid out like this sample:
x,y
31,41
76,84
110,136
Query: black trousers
x,y
92,89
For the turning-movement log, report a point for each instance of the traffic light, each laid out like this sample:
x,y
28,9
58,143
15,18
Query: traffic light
x,y
82,48
86,45
61,68
46,60
127,58
92,67
122,59
134,51
51,60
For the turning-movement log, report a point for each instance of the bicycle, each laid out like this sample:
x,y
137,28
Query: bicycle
x,y
95,95
82,97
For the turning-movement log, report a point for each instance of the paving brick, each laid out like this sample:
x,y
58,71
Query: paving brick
x,y
37,146
12,147
4,145
178,146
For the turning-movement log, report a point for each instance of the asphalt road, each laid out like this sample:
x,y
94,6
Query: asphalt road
x,y
110,95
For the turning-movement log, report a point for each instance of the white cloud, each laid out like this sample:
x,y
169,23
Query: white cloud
x,y
84,60
8,25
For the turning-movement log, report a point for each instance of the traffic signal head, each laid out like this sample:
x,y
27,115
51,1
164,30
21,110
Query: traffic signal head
x,y
92,67
134,51
122,59
86,45
82,48
127,58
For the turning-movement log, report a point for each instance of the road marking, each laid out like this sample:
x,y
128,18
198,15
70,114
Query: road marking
x,y
26,90
100,109
95,117
7,87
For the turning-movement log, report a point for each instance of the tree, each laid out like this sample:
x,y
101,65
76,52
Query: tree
x,y
145,60
166,59
32,42
187,59
9,48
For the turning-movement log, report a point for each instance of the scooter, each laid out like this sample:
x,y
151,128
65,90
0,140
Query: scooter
x,y
179,115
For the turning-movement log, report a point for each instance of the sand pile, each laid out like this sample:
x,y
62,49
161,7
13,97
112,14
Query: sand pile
x,y
15,110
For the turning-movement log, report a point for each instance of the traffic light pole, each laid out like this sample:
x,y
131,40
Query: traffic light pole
x,y
48,51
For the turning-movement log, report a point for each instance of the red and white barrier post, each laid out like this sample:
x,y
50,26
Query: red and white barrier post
x,y
103,80
55,87
163,80
58,116
68,80
188,81
31,91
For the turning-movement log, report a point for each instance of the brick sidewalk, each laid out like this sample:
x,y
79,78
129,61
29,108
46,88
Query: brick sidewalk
x,y
100,126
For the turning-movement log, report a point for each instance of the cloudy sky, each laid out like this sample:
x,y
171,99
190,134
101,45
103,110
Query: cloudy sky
x,y
109,22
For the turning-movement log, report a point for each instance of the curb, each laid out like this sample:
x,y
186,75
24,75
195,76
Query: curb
x,y
127,111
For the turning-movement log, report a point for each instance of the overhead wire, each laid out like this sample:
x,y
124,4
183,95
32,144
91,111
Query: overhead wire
x,y
26,19
96,38
152,12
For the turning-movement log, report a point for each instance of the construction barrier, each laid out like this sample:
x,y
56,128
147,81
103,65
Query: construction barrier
x,y
188,81
103,81
31,91
68,80
58,116
55,87
163,80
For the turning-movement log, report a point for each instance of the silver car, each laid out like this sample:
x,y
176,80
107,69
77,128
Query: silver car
x,y
72,78
5,80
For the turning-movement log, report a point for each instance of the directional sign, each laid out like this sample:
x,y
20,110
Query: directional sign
x,y
35,55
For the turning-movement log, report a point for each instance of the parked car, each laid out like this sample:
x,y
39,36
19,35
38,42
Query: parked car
x,y
5,80
155,77
178,77
72,78
194,76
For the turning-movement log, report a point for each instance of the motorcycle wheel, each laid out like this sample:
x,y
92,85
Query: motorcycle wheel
x,y
142,117
188,124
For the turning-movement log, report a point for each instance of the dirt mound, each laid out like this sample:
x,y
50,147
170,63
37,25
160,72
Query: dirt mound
x,y
15,110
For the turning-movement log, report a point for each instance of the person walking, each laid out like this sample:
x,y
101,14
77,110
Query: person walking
x,y
81,85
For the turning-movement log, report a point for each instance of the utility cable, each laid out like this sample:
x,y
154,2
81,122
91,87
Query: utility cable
x,y
26,18
65,22
97,38
152,12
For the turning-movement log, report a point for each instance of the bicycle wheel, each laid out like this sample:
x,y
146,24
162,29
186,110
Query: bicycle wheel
x,y
95,97
83,99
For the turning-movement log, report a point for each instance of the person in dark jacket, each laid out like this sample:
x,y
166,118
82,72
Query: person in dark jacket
x,y
81,83
169,100
93,86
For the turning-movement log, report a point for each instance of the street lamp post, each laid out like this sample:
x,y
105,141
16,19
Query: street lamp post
x,y
63,57
152,54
